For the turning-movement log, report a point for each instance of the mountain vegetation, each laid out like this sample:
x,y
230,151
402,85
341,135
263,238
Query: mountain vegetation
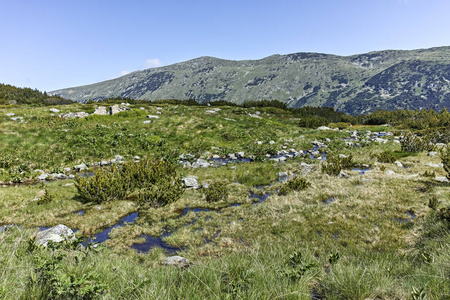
x,y
262,203
357,84
12,95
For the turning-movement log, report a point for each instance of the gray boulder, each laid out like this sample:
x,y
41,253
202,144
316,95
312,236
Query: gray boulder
x,y
177,261
101,110
190,182
114,109
55,234
200,163
80,167
54,110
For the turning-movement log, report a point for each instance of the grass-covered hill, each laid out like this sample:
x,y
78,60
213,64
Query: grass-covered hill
x,y
262,203
354,84
13,95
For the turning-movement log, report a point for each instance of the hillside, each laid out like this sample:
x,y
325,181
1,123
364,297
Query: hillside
x,y
352,84
13,95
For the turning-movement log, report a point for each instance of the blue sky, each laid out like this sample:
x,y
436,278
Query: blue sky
x,y
49,45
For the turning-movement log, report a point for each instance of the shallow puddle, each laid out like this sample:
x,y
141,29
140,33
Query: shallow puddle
x,y
153,242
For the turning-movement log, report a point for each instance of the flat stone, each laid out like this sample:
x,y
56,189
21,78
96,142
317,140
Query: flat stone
x,y
398,164
190,182
152,117
43,176
434,165
80,167
441,179
177,261
54,110
432,153
389,172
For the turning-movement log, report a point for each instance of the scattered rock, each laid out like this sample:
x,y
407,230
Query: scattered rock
x,y
343,175
10,114
200,163
441,179
114,109
43,176
254,116
432,153
152,117
434,165
101,110
54,110
190,182
80,167
177,261
389,172
55,234
398,164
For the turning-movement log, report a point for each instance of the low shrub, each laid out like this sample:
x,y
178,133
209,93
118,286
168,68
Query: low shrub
x,y
386,157
216,192
340,125
445,157
294,184
313,122
335,164
155,181
413,143
45,199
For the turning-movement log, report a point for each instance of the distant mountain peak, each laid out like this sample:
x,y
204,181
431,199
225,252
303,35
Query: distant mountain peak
x,y
361,83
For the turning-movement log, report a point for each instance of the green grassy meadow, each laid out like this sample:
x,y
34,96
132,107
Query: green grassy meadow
x,y
379,235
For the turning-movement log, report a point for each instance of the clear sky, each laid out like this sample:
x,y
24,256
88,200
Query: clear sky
x,y
52,44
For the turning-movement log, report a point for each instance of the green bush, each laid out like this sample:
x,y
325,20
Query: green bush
x,y
216,192
313,122
445,157
294,184
154,181
413,143
54,279
334,165
45,199
386,157
340,125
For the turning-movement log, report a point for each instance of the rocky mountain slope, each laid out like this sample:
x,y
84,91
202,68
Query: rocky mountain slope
x,y
354,84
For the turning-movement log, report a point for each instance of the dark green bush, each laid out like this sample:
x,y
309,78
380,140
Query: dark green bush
x,y
216,192
154,181
413,143
313,122
340,125
335,164
445,157
294,184
386,157
45,199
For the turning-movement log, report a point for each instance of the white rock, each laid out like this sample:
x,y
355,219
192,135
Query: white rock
x,y
152,117
177,261
56,234
389,172
441,179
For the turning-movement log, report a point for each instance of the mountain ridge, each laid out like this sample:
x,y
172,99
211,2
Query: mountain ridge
x,y
356,84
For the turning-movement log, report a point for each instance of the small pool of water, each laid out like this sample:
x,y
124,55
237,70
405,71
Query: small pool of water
x,y
153,242
361,171
260,197
104,235
328,201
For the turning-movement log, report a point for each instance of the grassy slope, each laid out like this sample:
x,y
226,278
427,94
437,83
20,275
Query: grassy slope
x,y
249,244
